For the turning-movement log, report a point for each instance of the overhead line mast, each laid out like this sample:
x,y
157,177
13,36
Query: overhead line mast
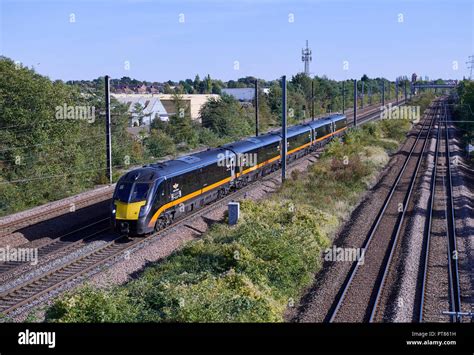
x,y
470,65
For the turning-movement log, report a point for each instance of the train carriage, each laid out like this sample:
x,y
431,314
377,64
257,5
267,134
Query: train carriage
x,y
299,141
151,197
261,155
322,131
340,124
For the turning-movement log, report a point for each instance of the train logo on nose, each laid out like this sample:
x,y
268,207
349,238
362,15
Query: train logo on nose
x,y
175,186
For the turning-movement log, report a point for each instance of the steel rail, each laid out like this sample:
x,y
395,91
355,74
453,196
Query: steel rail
x,y
387,265
429,224
355,265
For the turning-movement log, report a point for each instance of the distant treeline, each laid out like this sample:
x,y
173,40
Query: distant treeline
x,y
51,147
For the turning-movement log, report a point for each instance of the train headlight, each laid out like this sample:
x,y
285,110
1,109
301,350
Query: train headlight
x,y
113,211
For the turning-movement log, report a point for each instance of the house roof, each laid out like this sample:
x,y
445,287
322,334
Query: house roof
x,y
151,105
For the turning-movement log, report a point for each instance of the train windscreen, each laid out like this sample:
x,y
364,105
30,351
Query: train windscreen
x,y
132,192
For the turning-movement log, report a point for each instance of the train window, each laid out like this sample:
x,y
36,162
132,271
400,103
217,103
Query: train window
x,y
213,173
139,192
123,191
160,196
130,192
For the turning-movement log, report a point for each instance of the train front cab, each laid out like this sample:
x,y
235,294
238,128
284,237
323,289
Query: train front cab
x,y
132,203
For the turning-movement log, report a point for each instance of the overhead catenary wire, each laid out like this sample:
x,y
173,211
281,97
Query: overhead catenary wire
x,y
41,177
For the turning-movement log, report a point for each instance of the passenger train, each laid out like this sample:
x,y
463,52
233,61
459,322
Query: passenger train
x,y
152,197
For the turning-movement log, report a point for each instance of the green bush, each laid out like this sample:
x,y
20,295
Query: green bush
x,y
97,306
226,117
209,138
160,144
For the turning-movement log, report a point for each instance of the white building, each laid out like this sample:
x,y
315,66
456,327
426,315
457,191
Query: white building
x,y
151,104
162,105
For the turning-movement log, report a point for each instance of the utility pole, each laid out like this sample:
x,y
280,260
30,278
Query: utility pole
x,y
343,96
108,136
355,102
370,95
383,92
362,96
388,91
283,129
405,91
312,100
256,107
396,90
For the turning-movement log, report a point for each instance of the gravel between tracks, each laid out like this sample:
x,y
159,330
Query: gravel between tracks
x,y
402,303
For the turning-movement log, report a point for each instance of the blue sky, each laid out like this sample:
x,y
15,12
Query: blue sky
x,y
258,34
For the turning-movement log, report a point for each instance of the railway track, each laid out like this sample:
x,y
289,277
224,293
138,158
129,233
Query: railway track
x,y
440,290
34,288
25,293
361,292
65,243
23,222
455,292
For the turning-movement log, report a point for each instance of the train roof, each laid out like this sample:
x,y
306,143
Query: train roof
x,y
180,165
319,123
298,129
293,130
248,144
145,174
325,120
152,172
337,117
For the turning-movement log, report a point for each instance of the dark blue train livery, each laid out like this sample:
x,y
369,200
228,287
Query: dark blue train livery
x,y
152,197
